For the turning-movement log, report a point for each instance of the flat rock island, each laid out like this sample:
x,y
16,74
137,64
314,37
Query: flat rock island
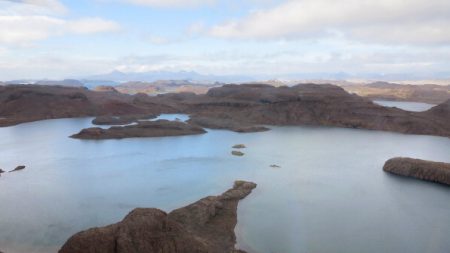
x,y
426,170
159,128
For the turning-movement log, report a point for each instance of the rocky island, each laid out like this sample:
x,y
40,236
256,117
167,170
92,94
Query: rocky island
x,y
203,227
426,170
159,128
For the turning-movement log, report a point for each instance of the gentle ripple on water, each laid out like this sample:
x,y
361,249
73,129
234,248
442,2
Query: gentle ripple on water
x,y
330,194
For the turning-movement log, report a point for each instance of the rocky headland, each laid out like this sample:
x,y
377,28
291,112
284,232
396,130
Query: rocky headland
x,y
159,128
425,170
310,104
205,226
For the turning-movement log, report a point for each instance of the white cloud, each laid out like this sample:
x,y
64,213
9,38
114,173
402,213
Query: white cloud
x,y
92,25
23,30
390,21
171,3
30,7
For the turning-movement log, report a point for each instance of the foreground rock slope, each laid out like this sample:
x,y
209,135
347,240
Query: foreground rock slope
x,y
204,226
159,128
426,170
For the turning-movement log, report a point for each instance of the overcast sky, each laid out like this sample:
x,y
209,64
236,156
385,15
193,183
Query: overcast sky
x,y
61,38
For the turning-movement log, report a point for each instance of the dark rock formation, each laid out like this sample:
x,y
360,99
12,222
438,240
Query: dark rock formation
x,y
274,166
159,128
237,153
21,167
205,226
120,120
241,108
26,103
308,104
2,171
420,169
239,146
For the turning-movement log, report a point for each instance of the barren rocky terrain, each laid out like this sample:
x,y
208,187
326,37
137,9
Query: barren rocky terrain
x,y
242,108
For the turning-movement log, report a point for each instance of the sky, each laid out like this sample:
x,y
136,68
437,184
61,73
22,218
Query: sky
x,y
58,39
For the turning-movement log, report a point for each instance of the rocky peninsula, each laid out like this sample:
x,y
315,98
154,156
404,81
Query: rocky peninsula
x,y
426,170
203,227
159,128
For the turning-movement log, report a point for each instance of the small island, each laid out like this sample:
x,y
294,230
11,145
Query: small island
x,y
204,226
426,170
159,128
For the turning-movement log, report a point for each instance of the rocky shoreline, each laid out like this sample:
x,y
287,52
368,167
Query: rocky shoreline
x,y
159,128
203,227
240,108
420,169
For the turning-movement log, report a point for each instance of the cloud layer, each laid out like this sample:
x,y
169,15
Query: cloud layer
x,y
25,21
172,3
381,21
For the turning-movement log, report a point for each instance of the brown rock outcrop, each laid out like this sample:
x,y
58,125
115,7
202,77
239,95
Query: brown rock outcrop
x,y
241,108
309,104
27,103
159,128
237,153
426,170
203,227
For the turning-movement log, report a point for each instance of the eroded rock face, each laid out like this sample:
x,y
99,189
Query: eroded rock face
x,y
310,104
205,226
26,103
426,170
159,128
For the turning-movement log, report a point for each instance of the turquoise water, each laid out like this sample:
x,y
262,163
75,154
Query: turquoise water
x,y
408,106
330,194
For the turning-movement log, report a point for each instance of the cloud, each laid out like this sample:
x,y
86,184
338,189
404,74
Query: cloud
x,y
383,21
92,25
23,30
171,3
35,6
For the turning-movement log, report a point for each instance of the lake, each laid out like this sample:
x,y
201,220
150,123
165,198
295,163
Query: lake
x,y
329,195
408,106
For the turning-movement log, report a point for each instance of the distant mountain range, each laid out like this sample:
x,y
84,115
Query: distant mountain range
x,y
115,78
153,76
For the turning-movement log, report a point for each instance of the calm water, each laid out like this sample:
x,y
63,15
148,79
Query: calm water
x,y
329,196
408,106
